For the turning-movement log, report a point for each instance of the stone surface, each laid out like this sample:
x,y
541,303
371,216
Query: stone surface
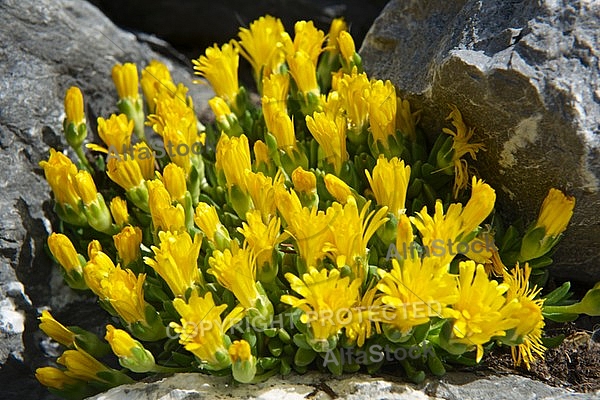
x,y
527,75
220,21
351,387
45,47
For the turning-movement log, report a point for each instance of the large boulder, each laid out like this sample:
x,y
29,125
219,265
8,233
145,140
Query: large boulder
x,y
526,74
45,47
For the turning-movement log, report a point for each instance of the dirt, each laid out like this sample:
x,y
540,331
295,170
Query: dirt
x,y
574,364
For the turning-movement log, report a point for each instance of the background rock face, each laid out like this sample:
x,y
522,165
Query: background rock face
x,y
526,74
47,46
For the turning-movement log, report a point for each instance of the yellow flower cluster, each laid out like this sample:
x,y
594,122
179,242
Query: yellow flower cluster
x,y
316,221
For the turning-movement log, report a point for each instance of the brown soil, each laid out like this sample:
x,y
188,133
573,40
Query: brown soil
x,y
574,364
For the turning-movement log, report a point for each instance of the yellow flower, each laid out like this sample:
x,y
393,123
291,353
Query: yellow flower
x,y
330,132
275,89
260,237
280,125
261,153
81,365
346,45
125,292
332,104
337,26
60,173
240,351
95,210
176,111
233,158
74,106
243,362
177,147
406,120
127,242
351,89
118,209
458,222
220,68
54,378
389,183
304,181
337,188
362,317
85,187
165,216
202,331
481,312
479,206
224,116
350,234
555,214
125,172
439,227
414,291
326,300
116,132
260,45
307,39
303,71
382,110
93,247
530,323
541,237
125,78
461,147
176,261
404,235
155,77
262,190
235,270
56,330
74,126
132,354
174,181
96,270
207,220
144,156
63,250
308,227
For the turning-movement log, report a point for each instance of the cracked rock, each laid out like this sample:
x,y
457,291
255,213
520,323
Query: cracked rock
x,y
350,387
45,47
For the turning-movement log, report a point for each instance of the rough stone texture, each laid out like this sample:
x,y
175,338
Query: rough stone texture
x,y
45,47
221,20
351,387
526,74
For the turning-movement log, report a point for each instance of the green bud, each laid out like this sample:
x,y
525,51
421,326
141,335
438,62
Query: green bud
x,y
98,216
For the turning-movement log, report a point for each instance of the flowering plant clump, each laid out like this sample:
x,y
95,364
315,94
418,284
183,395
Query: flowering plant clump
x,y
318,229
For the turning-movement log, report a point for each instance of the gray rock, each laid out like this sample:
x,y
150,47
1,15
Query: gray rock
x,y
526,74
351,387
45,47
